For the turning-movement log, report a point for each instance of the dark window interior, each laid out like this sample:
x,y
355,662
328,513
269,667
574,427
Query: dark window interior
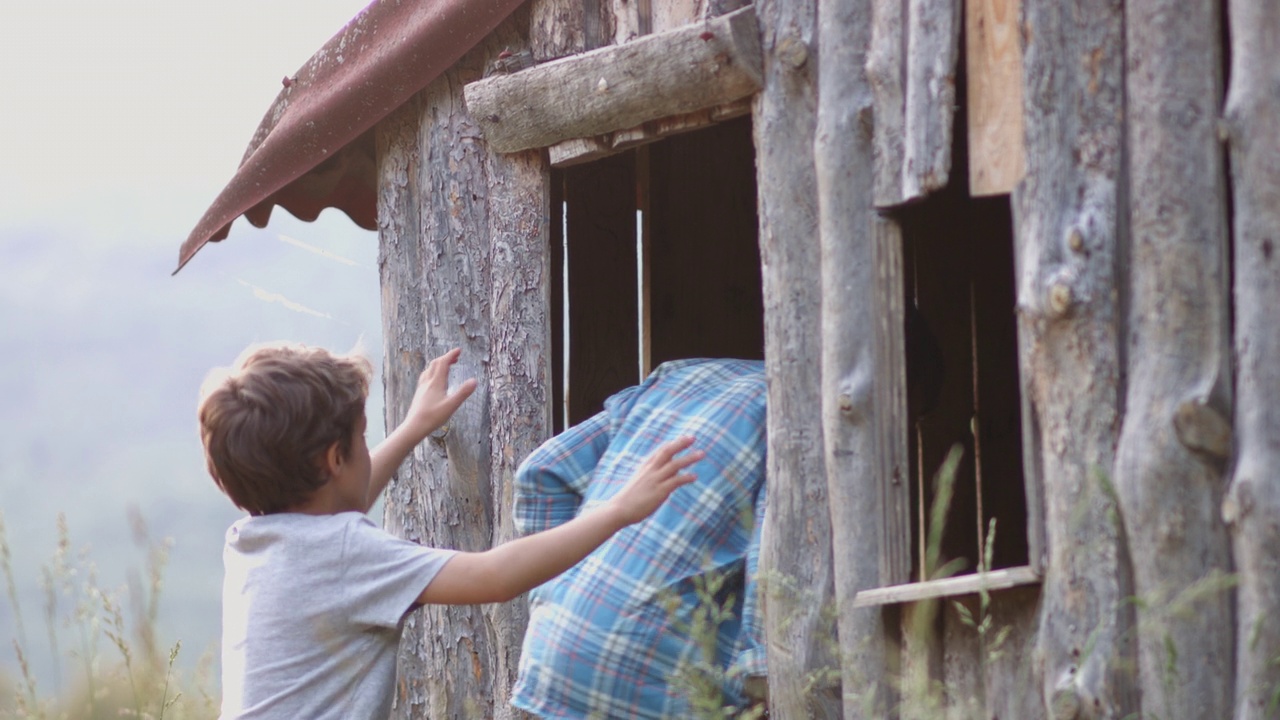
x,y
959,275
690,287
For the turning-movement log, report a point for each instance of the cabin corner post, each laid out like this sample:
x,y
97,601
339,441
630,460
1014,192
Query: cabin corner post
x,y
1252,507
1175,442
1068,231
795,561
519,367
852,375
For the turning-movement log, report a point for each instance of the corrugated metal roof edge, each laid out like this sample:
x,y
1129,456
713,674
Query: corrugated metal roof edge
x,y
388,52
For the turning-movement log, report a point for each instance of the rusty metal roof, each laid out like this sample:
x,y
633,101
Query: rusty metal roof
x,y
314,148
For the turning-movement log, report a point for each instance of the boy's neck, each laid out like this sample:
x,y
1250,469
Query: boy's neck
x,y
324,501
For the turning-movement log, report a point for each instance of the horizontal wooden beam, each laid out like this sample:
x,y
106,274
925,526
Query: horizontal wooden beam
x,y
678,72
949,587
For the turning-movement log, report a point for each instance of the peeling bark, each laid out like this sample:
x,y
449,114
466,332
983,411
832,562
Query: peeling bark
x,y
1252,507
1068,233
437,233
1179,368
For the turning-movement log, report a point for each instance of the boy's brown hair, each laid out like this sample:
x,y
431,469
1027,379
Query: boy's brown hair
x,y
267,421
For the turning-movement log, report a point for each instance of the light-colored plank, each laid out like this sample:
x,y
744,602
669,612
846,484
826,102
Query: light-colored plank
x,y
673,73
579,150
993,63
961,585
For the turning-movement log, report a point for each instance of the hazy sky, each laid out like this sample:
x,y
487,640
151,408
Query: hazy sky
x,y
134,113
120,121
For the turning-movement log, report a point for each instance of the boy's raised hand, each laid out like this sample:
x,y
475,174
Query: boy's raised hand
x,y
656,479
433,404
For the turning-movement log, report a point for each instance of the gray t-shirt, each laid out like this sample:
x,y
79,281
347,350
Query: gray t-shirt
x,y
312,611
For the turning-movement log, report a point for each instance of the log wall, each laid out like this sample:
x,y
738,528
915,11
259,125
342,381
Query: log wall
x,y
451,213
1252,507
1170,469
1069,230
796,557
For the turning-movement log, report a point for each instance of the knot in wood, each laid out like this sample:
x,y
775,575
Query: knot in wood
x,y
1202,429
1075,240
793,52
1066,702
1060,298
846,403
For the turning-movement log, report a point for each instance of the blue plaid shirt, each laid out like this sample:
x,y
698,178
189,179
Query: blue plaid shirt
x,y
605,637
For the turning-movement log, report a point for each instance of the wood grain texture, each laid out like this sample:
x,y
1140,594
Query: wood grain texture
x,y
437,234
1068,224
656,76
520,399
911,65
1178,353
1252,507
993,70
862,392
796,559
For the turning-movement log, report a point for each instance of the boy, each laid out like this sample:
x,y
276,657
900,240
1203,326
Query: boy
x,y
315,594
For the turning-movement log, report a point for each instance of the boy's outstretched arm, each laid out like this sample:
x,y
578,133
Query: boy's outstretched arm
x,y
513,568
431,408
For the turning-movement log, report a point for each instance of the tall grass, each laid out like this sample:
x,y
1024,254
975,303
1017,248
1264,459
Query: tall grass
x,y
108,659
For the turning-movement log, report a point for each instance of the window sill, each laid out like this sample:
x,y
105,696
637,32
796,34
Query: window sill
x,y
948,587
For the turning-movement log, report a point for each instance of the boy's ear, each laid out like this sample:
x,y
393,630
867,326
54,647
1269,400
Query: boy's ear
x,y
333,460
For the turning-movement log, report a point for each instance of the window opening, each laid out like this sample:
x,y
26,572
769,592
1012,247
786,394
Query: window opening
x,y
660,261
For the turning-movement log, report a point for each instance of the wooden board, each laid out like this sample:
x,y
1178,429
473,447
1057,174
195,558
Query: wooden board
x,y
993,64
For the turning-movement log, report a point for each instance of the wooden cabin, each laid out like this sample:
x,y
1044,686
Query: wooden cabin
x,y
1080,197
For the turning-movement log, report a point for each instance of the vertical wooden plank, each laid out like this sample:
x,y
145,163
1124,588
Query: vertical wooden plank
x,y
603,347
933,45
863,368
671,14
435,256
557,305
797,544
993,71
1253,504
448,210
885,66
914,45
893,472
520,350
644,256
704,216
558,28
1169,481
1068,231
632,19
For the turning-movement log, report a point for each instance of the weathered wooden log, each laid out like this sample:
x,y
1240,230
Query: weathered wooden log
x,y
912,68
1179,355
855,375
1067,229
435,227
1252,507
519,366
672,73
796,559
